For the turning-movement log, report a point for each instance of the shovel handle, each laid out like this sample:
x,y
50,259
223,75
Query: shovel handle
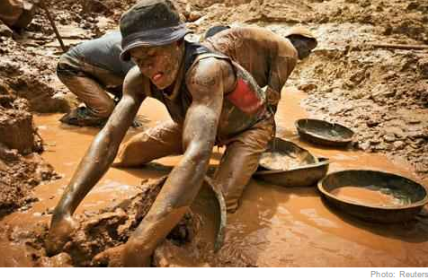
x,y
48,14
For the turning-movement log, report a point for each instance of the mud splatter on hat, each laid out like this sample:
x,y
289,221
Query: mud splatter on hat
x,y
150,23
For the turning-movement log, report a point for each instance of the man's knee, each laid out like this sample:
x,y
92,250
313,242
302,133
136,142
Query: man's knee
x,y
104,108
131,154
64,71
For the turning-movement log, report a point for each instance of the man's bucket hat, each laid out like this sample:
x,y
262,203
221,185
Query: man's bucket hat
x,y
300,31
150,23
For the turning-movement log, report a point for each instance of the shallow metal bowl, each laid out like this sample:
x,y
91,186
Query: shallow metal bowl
x,y
283,155
324,133
407,197
303,176
287,164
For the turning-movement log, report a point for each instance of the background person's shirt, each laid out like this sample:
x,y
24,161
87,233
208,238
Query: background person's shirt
x,y
268,57
103,52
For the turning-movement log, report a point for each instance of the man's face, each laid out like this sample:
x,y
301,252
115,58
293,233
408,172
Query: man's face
x,y
304,46
159,63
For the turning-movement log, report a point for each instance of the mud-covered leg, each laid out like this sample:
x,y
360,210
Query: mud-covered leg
x,y
241,160
160,141
88,91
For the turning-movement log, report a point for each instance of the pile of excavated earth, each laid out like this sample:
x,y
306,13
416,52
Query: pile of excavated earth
x,y
369,72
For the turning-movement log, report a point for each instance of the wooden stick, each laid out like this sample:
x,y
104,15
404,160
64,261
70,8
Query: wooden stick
x,y
48,14
398,46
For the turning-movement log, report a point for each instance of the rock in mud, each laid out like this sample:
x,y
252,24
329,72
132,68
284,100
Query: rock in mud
x,y
18,176
96,7
39,95
194,16
423,67
5,31
16,130
60,260
20,168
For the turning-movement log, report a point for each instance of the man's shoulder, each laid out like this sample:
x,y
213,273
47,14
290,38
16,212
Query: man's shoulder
x,y
250,32
249,35
99,45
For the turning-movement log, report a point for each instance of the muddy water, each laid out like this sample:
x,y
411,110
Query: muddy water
x,y
366,196
293,227
274,226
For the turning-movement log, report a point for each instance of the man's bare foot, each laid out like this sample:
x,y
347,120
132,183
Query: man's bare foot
x,y
59,233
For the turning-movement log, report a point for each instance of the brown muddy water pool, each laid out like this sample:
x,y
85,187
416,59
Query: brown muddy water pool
x,y
274,226
365,196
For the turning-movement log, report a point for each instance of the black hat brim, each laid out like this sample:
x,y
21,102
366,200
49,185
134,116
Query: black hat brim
x,y
158,37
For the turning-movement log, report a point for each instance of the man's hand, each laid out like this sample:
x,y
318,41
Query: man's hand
x,y
59,233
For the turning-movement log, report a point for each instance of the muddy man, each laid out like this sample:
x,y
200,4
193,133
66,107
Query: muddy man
x,y
211,100
267,56
90,71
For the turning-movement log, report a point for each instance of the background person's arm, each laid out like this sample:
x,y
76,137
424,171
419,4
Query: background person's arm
x,y
281,66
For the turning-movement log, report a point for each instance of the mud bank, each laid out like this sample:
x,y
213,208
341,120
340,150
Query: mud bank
x,y
381,97
21,167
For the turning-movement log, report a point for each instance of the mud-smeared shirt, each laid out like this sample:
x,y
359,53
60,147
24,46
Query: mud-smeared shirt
x,y
268,57
242,107
103,52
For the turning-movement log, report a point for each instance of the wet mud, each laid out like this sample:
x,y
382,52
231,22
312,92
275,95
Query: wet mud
x,y
277,161
367,196
286,227
21,166
103,229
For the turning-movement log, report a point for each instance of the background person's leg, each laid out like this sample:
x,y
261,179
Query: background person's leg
x,y
154,143
88,91
241,160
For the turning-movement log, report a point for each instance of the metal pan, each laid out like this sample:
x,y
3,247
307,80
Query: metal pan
x,y
405,197
324,133
304,176
287,164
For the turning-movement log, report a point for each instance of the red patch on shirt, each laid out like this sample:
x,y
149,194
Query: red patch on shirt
x,y
244,98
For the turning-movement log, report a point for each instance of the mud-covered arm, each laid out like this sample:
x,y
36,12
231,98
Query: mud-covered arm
x,y
206,84
103,149
281,65
280,70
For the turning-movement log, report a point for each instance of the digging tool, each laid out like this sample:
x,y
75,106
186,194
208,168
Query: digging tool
x,y
223,213
48,14
399,46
